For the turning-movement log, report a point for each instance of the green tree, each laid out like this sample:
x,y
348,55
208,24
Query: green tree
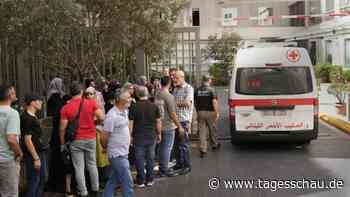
x,y
223,50
78,38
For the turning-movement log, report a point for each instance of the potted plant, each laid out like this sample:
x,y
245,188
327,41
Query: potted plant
x,y
338,88
339,91
323,72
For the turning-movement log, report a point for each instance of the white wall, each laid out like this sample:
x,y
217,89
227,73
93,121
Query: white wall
x,y
211,12
340,51
338,48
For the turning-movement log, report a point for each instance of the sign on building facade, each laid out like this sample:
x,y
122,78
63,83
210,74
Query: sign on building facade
x,y
228,15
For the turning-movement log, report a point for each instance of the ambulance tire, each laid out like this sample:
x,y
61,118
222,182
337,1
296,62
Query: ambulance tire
x,y
308,142
235,142
304,144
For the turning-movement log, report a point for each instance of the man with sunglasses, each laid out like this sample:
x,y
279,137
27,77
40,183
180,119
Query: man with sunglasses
x,y
90,83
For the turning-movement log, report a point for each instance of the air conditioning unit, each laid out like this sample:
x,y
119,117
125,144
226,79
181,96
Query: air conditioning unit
x,y
220,2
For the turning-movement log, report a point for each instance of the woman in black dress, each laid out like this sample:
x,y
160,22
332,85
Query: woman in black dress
x,y
57,171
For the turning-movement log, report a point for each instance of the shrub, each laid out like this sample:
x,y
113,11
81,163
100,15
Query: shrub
x,y
339,91
323,72
336,74
339,79
347,76
220,75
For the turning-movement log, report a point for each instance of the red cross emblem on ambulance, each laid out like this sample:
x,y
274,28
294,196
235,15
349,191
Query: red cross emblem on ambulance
x,y
293,55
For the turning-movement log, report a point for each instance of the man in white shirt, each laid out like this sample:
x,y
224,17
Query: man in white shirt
x,y
183,93
116,138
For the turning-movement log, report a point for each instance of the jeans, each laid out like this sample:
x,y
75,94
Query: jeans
x,y
165,148
182,152
35,182
144,152
84,151
9,178
120,175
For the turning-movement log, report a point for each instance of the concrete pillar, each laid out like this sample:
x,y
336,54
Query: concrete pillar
x,y
198,60
140,62
307,13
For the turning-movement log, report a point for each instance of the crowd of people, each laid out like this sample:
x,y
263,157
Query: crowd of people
x,y
114,128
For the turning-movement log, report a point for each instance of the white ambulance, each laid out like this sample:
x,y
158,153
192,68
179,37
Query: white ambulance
x,y
273,95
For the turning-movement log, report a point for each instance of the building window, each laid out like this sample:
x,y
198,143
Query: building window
x,y
329,57
297,8
347,53
228,15
315,8
263,16
313,52
195,17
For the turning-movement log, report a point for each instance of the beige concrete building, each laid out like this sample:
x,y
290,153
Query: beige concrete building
x,y
252,19
329,40
212,18
314,24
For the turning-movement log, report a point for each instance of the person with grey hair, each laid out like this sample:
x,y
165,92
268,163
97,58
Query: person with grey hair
x,y
183,93
116,139
145,123
206,102
131,89
56,87
141,80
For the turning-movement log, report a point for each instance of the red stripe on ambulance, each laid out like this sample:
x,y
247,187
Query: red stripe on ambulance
x,y
272,102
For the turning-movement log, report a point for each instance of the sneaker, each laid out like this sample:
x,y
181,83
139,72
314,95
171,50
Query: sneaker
x,y
82,195
162,175
202,154
176,168
173,174
156,168
139,185
150,184
185,171
217,147
170,173
172,163
68,194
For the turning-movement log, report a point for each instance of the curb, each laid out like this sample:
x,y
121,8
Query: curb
x,y
336,122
